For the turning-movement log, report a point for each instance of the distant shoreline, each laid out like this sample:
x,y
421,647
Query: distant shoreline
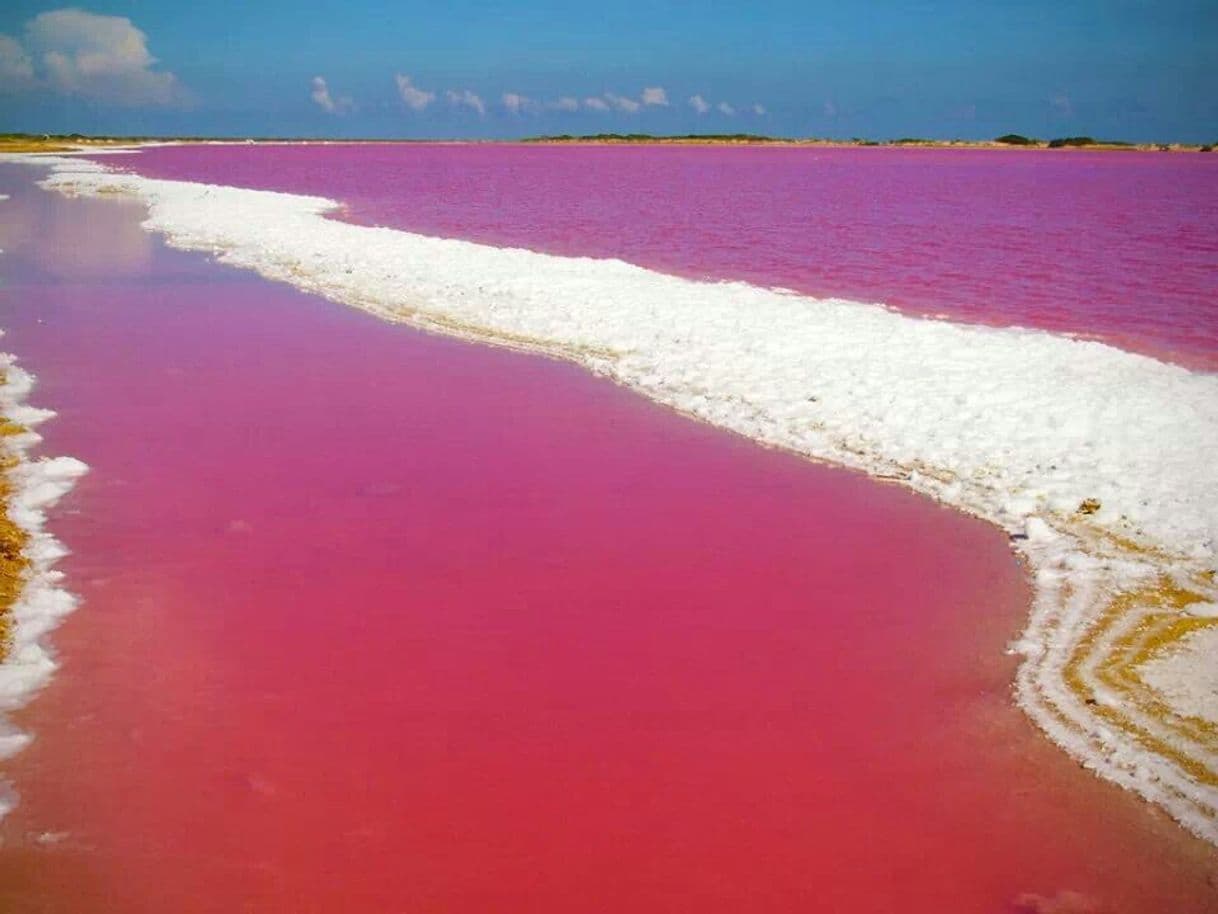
x,y
77,142
1085,143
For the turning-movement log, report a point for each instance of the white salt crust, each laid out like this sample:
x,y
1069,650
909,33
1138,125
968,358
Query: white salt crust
x,y
1019,427
1189,675
43,602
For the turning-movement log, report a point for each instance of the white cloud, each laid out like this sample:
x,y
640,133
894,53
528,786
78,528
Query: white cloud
x,y
829,109
699,104
759,110
321,94
466,98
327,102
16,68
596,104
518,104
725,108
75,52
621,103
566,103
655,96
416,99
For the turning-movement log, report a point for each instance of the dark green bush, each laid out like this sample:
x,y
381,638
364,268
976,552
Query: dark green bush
x,y
1071,141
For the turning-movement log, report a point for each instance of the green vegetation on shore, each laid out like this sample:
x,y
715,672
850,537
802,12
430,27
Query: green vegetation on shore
x,y
1015,139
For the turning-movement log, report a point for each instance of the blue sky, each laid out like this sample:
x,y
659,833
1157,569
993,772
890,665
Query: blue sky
x,y
1110,68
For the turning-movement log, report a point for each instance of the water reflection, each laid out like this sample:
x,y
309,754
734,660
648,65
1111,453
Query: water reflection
x,y
78,239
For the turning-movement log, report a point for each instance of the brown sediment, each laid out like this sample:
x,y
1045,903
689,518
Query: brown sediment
x,y
13,539
36,147
57,144
1134,627
8,427
1162,623
13,562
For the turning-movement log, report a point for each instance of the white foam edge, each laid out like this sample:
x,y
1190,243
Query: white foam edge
x,y
36,485
1015,426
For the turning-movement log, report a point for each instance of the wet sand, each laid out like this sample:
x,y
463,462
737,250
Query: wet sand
x,y
379,621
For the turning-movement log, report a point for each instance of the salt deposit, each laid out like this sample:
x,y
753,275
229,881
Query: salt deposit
x,y
43,601
1096,461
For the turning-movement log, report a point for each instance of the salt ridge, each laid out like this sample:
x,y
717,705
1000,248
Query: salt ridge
x,y
1096,461
43,601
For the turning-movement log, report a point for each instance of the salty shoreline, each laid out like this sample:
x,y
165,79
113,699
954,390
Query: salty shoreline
x,y
1118,585
32,600
104,144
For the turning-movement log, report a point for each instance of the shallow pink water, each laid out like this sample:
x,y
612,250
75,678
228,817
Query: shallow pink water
x,y
376,621
1119,246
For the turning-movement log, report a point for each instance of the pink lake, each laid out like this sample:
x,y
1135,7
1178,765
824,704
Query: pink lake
x,y
1118,246
377,621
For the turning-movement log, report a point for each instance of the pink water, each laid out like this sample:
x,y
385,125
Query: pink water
x,y
1119,246
380,622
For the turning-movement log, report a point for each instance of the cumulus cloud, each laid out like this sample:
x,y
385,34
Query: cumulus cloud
x,y
517,103
321,94
465,98
725,108
759,110
829,109
327,102
416,99
16,68
621,103
566,103
596,104
655,96
75,52
699,104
